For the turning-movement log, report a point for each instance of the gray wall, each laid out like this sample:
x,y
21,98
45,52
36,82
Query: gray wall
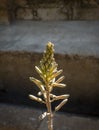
x,y
11,10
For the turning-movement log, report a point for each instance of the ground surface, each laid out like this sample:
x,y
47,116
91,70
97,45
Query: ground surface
x,y
74,37
24,118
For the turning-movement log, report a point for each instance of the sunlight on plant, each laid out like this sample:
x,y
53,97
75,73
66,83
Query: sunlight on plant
x,y
48,72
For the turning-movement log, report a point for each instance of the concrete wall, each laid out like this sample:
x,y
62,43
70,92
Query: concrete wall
x,y
82,79
11,10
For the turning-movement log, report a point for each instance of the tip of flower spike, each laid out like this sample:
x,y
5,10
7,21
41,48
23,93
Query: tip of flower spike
x,y
50,44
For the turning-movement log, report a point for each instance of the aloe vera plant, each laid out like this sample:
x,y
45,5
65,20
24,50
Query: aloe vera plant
x,y
49,73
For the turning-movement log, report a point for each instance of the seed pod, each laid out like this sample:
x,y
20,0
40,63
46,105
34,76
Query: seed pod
x,y
38,70
65,96
38,83
58,85
55,74
60,79
36,98
53,68
61,104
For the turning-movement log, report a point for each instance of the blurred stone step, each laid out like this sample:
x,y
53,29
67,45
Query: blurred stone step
x,y
74,37
13,117
72,122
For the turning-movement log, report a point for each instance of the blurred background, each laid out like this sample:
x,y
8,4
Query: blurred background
x,y
25,28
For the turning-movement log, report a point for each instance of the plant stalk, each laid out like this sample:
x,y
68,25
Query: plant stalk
x,y
49,111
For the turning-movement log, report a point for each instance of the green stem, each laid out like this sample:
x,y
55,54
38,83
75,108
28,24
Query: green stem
x,y
49,111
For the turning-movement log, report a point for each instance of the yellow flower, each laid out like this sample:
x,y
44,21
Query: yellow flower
x,y
48,70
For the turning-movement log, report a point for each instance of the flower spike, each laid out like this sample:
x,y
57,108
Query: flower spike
x,y
48,71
